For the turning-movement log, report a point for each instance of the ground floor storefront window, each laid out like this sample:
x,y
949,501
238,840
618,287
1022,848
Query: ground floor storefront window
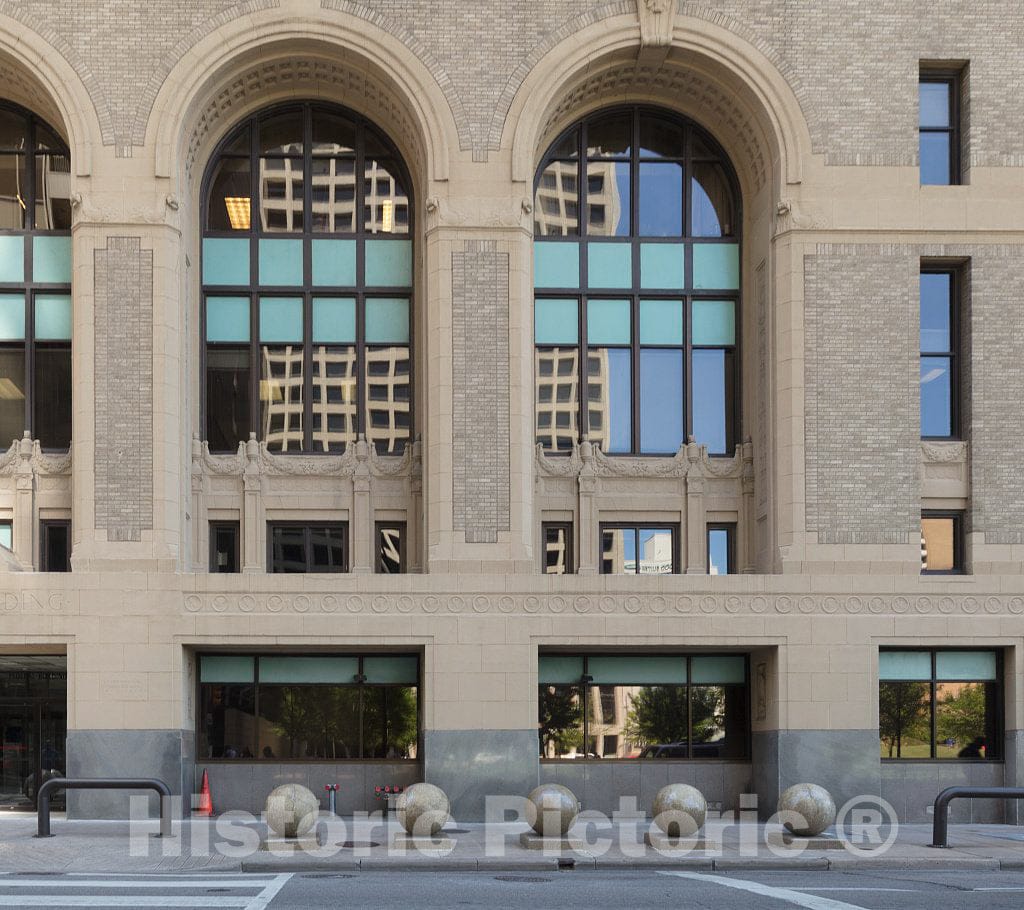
x,y
330,707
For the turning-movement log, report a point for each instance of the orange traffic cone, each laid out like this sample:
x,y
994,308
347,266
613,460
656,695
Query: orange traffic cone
x,y
205,806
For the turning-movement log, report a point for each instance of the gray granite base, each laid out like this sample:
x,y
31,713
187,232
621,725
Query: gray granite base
x,y
530,840
679,845
281,846
438,843
820,842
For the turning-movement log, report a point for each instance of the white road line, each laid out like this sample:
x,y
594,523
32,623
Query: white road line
x,y
126,883
997,889
263,899
109,900
809,901
902,890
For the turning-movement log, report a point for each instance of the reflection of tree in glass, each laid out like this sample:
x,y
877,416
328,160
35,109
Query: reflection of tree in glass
x,y
903,714
657,714
389,722
960,715
315,720
559,720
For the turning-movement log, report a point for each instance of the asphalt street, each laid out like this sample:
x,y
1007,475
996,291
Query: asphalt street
x,y
594,889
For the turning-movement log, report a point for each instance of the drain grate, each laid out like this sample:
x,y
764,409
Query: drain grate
x,y
355,844
525,879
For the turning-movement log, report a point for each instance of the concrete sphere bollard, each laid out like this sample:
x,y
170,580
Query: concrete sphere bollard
x,y
679,810
291,810
423,809
813,804
551,809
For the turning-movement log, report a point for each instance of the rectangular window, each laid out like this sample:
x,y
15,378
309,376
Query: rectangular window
x,y
942,543
650,706
324,707
649,549
295,547
55,546
940,705
721,549
224,547
390,547
940,321
939,127
556,548
7,533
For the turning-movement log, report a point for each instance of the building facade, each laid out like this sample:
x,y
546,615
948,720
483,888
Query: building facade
x,y
610,392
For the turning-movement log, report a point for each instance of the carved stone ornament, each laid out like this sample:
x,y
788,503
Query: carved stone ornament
x,y
944,452
656,20
481,213
691,461
113,212
790,217
25,456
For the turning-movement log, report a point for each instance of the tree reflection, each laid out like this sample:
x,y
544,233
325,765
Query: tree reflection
x,y
903,715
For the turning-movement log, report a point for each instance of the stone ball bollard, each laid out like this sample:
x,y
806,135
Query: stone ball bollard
x,y
551,809
423,809
291,810
810,802
679,810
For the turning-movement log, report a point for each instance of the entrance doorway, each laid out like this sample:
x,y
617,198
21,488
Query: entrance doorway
x,y
33,726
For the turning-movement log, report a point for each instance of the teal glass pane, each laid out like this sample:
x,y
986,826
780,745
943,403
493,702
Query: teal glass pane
x,y
722,670
661,266
714,322
610,265
387,320
904,665
556,321
556,265
661,322
227,669
388,263
716,265
12,259
559,669
334,320
51,260
53,317
402,669
6,535
281,319
226,260
608,322
965,665
334,263
280,262
227,319
308,669
637,670
12,317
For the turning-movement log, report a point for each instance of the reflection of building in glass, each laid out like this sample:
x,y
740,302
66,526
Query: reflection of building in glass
x,y
609,713
613,553
557,203
387,398
557,397
655,554
281,397
556,552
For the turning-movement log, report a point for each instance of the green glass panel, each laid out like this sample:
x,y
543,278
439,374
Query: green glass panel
x,y
965,665
226,260
12,259
714,322
334,320
280,262
6,535
559,668
227,669
402,669
716,265
661,266
281,320
637,670
334,263
388,263
610,265
661,322
904,665
721,670
608,322
387,320
227,319
308,669
53,317
12,317
51,260
556,321
556,265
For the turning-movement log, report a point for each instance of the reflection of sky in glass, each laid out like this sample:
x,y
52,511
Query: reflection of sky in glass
x,y
705,218
661,400
718,551
629,546
620,417
934,100
709,399
935,397
655,551
935,158
661,200
935,328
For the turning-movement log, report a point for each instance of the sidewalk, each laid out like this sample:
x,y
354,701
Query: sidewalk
x,y
228,845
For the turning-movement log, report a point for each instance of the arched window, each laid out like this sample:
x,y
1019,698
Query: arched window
x,y
636,277
307,284
35,281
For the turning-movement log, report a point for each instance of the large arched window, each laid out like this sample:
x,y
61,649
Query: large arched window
x,y
636,277
307,284
35,281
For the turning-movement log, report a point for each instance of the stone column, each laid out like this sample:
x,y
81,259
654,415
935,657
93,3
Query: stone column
x,y
252,510
24,505
696,535
361,526
746,557
590,544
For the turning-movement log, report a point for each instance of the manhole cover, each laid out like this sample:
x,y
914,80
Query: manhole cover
x,y
354,844
527,879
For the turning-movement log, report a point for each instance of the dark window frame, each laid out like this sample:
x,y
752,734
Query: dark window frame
x,y
959,543
308,528
253,290
46,525
570,562
402,528
232,525
585,682
357,682
638,526
954,79
999,709
730,528
688,295
956,309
